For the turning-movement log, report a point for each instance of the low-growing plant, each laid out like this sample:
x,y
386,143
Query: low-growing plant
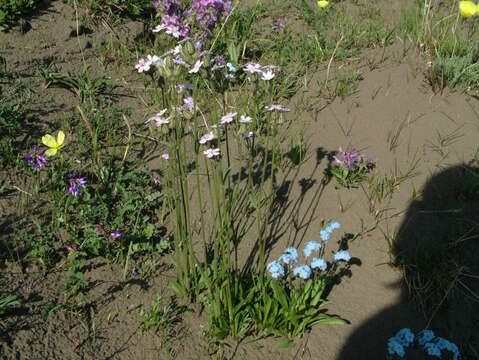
x,y
164,320
7,302
13,10
350,167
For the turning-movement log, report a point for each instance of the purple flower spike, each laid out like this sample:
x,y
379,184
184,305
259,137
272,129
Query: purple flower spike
x,y
36,159
76,185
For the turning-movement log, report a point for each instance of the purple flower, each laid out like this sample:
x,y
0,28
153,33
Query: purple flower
x,y
75,185
115,234
347,159
209,12
278,25
37,159
219,63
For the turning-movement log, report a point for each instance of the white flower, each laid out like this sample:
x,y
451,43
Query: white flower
x,y
245,119
207,137
248,134
177,49
196,67
165,156
211,153
158,28
267,75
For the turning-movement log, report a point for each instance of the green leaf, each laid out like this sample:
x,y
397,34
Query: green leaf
x,y
285,344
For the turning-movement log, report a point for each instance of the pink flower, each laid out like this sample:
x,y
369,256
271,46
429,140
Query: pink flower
x,y
228,118
165,156
70,248
252,68
143,65
115,234
159,119
212,153
277,107
207,137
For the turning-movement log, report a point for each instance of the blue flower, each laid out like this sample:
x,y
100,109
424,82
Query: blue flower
x,y
432,349
333,225
290,255
276,269
405,337
342,255
320,264
231,67
395,347
325,235
444,344
311,246
302,271
425,336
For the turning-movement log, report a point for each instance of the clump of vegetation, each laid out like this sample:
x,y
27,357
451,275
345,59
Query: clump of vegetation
x,y
13,10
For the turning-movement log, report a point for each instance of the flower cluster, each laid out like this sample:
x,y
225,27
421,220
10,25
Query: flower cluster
x,y
209,12
75,185
177,21
425,340
350,167
36,159
291,255
349,159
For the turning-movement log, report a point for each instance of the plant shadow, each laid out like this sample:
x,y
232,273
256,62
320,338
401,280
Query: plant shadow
x,y
436,248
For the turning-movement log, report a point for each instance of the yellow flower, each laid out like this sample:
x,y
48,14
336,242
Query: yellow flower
x,y
53,144
323,3
467,8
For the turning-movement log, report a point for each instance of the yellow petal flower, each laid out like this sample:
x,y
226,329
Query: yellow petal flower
x,y
51,152
323,3
49,141
52,143
467,8
60,138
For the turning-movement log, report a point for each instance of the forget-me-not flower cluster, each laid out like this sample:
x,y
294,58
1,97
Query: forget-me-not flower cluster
x,y
425,340
291,255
